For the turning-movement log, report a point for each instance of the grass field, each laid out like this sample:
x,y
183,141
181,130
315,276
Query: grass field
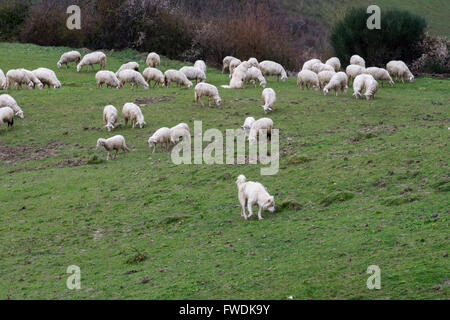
x,y
360,183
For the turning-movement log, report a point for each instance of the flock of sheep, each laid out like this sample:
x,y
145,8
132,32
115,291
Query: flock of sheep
x,y
314,74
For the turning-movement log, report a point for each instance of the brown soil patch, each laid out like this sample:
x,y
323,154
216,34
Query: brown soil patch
x,y
152,100
61,164
12,154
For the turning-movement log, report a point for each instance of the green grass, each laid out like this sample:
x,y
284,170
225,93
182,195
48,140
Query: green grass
x,y
360,183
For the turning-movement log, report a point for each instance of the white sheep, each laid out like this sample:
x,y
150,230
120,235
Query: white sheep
x,y
254,74
226,62
201,65
47,77
325,77
335,63
307,78
263,126
271,68
132,112
18,78
152,74
308,64
114,143
237,80
233,65
194,73
109,78
7,101
268,97
207,90
399,70
371,87
91,59
110,116
2,80
7,116
247,125
178,77
130,65
161,136
338,81
380,74
365,82
33,78
71,56
253,62
319,66
133,77
153,60
355,59
178,133
354,70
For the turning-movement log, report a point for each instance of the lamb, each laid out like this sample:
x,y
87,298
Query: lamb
x,y
366,82
176,76
201,65
247,125
18,77
132,112
162,136
338,81
2,80
207,90
33,78
108,78
7,116
319,66
380,74
194,73
308,64
7,101
335,63
130,65
268,97
114,143
71,56
354,70
399,70
226,62
91,59
270,68
133,77
47,77
355,59
251,193
254,74
153,74
263,125
233,64
253,62
110,116
307,78
153,60
325,77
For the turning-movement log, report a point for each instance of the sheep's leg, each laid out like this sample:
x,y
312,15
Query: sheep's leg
x,y
259,213
243,203
250,211
209,102
154,148
115,155
107,156
336,92
201,102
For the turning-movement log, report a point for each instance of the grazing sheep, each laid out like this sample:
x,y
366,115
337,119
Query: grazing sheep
x,y
365,82
129,66
335,63
371,87
133,77
33,78
178,133
307,78
268,97
308,64
176,76
110,116
47,77
194,73
359,61
7,101
261,125
399,70
18,77
319,66
132,112
338,81
114,143
162,136
253,62
153,60
380,74
237,80
109,78
254,74
325,77
226,62
233,65
207,90
2,80
271,68
247,125
153,74
7,116
71,56
201,65
354,70
251,193
91,59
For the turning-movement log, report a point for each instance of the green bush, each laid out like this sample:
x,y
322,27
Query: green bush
x,y
398,38
12,15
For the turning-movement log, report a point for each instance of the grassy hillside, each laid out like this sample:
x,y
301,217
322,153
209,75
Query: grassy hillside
x,y
360,183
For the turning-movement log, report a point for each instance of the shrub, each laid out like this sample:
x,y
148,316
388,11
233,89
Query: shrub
x,y
435,57
397,39
12,15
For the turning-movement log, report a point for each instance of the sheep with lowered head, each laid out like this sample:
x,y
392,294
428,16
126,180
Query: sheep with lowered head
x,y
18,78
194,73
365,82
133,77
91,59
380,74
152,74
110,116
116,143
254,74
109,78
7,101
204,89
178,77
263,125
325,77
153,60
161,136
47,77
338,81
399,70
133,113
7,116
247,125
268,97
271,68
71,56
307,78
33,78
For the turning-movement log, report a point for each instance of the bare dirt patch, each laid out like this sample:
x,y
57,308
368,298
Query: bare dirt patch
x,y
152,100
60,164
12,154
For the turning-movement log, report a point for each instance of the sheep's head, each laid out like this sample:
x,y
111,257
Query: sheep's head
x,y
59,64
30,85
252,140
109,126
40,86
218,101
357,94
411,78
151,142
325,91
20,114
189,84
269,204
391,83
100,142
283,78
79,67
57,85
